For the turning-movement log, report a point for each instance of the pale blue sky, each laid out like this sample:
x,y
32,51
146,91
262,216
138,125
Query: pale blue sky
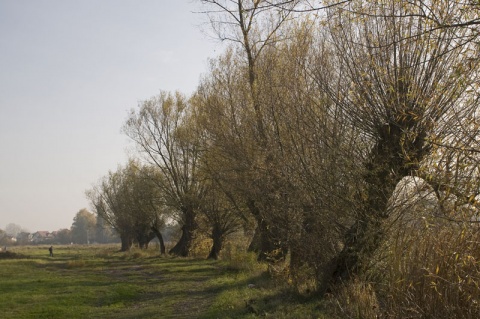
x,y
69,72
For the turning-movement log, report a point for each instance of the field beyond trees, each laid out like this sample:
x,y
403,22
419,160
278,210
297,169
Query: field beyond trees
x,y
100,282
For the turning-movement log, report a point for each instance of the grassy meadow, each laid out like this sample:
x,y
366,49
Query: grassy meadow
x,y
98,281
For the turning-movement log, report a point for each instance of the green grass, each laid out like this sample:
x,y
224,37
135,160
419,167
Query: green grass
x,y
100,282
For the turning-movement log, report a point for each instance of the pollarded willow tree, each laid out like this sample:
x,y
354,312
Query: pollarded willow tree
x,y
129,201
403,85
315,151
159,127
231,157
345,116
253,27
145,202
219,218
287,186
108,202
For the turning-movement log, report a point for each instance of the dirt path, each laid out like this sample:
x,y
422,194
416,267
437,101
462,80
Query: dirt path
x,y
171,287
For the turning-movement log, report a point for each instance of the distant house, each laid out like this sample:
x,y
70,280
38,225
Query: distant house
x,y
41,236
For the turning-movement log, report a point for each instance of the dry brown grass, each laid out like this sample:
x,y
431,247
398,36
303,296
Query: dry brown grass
x,y
355,299
431,271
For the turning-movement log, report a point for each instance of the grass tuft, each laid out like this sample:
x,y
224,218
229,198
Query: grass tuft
x,y
77,263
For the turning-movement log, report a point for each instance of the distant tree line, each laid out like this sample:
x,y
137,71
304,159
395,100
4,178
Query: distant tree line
x,y
86,229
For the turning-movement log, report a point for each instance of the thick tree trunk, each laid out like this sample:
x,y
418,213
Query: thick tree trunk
x,y
361,242
365,235
265,242
217,237
183,246
127,242
314,249
160,239
265,245
255,245
145,239
387,166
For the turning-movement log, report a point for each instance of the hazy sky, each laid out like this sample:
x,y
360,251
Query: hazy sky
x,y
69,72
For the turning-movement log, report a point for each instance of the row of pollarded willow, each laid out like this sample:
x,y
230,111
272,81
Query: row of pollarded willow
x,y
304,127
164,129
350,104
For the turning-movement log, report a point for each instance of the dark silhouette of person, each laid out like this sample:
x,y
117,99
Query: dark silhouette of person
x,y
51,251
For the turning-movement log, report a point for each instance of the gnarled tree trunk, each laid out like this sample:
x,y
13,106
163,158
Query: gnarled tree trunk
x,y
183,246
218,238
393,158
160,239
145,239
127,242
266,245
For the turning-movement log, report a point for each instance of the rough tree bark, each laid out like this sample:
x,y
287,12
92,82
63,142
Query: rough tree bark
x,y
160,239
145,239
268,247
218,238
388,164
183,246
127,242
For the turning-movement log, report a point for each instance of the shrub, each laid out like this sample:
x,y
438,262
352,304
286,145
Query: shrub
x,y
201,247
